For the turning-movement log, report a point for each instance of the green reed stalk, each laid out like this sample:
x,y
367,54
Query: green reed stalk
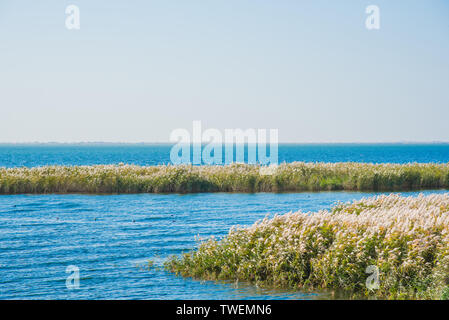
x,y
291,177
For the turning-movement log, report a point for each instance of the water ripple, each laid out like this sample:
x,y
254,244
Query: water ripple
x,y
111,238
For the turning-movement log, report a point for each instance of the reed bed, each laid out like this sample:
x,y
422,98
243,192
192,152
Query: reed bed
x,y
291,177
406,238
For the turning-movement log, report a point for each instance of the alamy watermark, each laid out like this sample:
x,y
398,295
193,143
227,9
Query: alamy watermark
x,y
372,22
372,282
73,280
208,147
72,21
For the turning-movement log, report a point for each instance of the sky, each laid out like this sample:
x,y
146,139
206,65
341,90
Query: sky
x,y
137,70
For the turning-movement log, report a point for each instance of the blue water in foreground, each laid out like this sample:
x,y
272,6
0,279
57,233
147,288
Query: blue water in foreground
x,y
140,154
109,237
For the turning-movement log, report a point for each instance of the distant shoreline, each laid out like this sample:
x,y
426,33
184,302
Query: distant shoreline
x,y
93,143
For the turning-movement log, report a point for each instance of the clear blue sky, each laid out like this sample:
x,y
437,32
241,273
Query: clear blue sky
x,y
136,70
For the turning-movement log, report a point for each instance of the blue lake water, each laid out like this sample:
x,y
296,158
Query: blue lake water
x,y
140,154
109,237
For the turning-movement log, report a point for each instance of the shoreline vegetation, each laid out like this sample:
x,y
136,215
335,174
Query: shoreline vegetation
x,y
402,240
286,177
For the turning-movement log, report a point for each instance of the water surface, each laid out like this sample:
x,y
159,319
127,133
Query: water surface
x,y
109,237
144,154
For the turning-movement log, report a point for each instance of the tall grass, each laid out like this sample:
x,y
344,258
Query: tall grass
x,y
297,176
406,239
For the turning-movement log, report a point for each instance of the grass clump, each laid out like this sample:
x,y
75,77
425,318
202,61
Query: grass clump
x,y
406,239
291,177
